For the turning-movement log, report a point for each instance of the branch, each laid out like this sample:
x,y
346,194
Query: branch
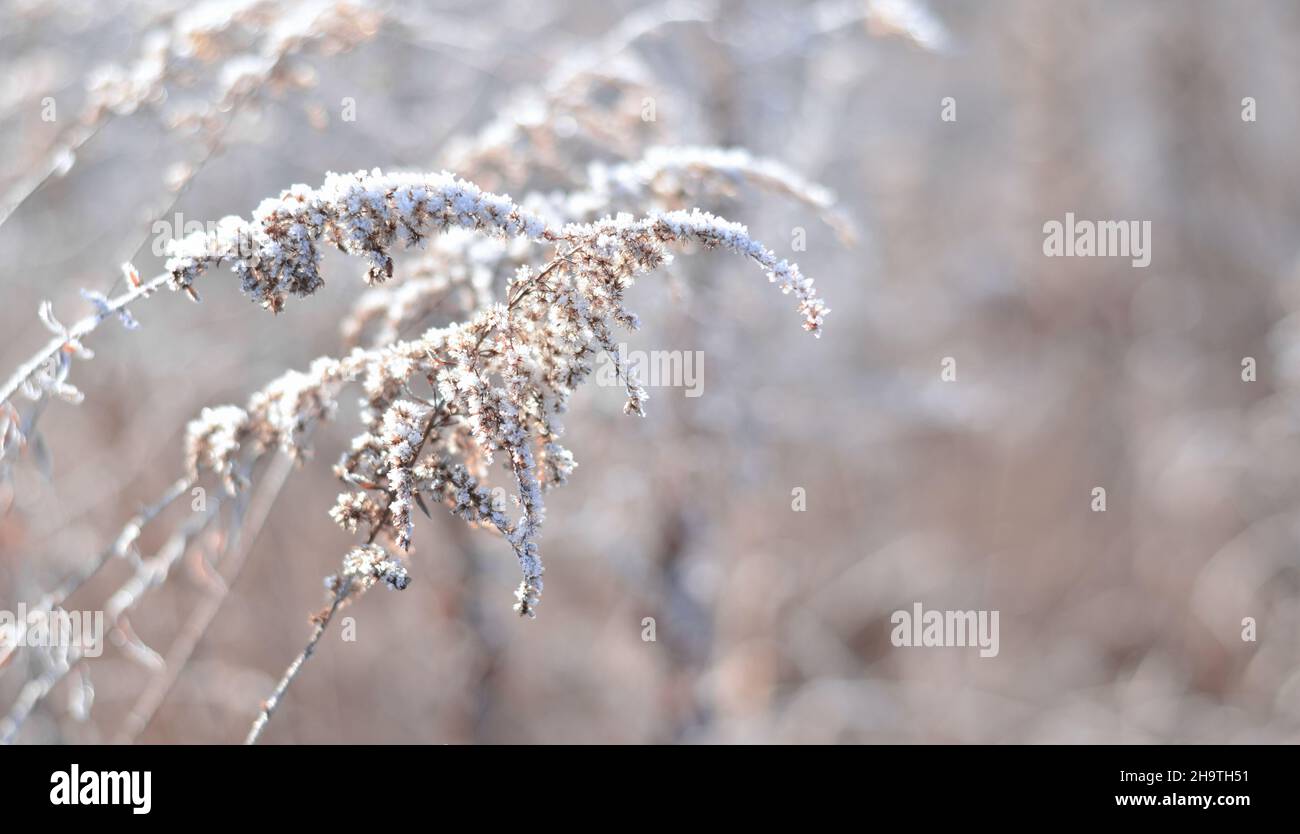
x,y
270,704
77,331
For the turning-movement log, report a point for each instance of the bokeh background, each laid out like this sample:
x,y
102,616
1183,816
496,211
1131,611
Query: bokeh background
x,y
771,625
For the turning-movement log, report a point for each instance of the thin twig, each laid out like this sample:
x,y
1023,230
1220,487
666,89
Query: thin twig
x,y
76,332
322,623
53,167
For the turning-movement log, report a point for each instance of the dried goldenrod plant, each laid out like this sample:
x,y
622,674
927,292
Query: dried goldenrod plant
x,y
465,353
439,409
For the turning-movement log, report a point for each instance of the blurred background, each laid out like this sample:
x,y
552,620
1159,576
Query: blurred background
x,y
771,624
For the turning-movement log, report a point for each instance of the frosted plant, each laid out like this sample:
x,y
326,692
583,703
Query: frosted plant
x,y
493,385
498,383
458,270
367,565
277,253
439,410
466,355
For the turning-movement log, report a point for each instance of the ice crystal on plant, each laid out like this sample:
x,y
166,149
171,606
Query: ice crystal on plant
x,y
364,567
277,253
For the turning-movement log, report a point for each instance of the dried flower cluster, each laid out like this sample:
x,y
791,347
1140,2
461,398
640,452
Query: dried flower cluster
x,y
458,271
276,254
368,565
440,409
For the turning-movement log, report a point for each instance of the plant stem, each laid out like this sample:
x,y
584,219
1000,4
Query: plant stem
x,y
270,704
76,332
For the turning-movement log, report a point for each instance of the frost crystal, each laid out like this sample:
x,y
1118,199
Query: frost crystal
x,y
367,565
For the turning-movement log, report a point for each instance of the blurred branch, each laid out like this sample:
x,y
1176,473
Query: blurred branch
x,y
125,540
148,573
244,537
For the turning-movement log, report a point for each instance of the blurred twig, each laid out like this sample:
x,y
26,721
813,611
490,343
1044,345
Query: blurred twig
x,y
125,540
244,537
148,573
